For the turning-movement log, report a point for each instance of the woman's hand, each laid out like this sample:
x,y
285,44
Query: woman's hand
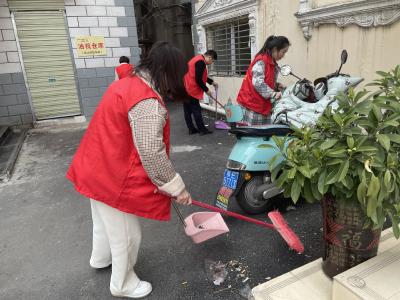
x,y
280,87
184,198
215,85
277,96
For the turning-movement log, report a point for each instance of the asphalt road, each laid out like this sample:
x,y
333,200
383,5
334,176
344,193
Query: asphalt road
x,y
45,228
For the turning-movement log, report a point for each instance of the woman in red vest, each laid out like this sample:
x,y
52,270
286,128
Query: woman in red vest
x,y
125,69
122,164
259,89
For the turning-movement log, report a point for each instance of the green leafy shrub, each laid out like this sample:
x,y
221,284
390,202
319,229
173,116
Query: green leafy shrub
x,y
352,153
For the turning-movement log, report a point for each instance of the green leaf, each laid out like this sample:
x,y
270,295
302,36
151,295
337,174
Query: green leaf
x,y
307,192
348,183
361,192
321,182
384,140
383,74
372,193
305,171
332,177
295,191
366,149
291,173
359,95
333,161
387,179
329,143
338,119
395,225
394,138
343,170
314,189
350,142
337,153
377,112
279,141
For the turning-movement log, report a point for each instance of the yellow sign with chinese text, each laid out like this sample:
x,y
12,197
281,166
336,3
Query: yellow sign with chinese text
x,y
90,46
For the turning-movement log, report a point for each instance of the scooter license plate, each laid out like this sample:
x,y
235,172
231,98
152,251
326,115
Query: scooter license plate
x,y
231,179
229,185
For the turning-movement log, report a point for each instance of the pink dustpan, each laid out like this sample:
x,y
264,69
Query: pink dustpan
x,y
202,226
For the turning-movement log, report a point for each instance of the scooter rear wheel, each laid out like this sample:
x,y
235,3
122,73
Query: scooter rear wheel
x,y
252,201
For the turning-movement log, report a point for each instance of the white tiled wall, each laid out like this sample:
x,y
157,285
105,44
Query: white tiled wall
x,y
9,59
97,17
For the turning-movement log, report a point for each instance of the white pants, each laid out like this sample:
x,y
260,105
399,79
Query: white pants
x,y
116,241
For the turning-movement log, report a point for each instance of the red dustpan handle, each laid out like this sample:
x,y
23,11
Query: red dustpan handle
x,y
232,214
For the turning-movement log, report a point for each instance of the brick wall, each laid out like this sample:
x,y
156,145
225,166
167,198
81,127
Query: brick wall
x,y
14,103
113,19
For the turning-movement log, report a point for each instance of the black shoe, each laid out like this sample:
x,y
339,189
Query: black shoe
x,y
193,131
204,132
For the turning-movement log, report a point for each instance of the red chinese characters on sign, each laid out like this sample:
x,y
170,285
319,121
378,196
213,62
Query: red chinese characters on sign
x,y
90,46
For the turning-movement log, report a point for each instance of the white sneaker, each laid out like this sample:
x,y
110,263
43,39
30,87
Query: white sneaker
x,y
143,289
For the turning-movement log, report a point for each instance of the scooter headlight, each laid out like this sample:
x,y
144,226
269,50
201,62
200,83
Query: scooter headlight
x,y
235,165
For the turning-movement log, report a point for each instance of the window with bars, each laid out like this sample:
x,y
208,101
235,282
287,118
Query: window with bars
x,y
231,40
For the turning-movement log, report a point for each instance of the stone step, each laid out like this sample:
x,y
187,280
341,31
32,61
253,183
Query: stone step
x,y
4,133
309,282
10,145
375,279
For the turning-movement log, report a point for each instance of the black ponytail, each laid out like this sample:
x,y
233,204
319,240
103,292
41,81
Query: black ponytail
x,y
278,42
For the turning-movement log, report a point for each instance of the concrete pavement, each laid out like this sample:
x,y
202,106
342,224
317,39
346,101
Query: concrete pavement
x,y
45,228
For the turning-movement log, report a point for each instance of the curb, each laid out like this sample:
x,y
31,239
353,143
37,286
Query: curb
x,y
6,173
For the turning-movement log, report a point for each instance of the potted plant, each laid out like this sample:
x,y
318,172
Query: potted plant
x,y
350,162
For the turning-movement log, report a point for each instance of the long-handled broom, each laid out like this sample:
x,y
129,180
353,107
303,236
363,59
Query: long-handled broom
x,y
219,124
278,223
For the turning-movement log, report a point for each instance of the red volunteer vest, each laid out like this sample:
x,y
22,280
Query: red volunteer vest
x,y
190,78
107,166
124,70
248,96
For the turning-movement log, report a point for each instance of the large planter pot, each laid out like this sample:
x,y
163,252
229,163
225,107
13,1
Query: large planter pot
x,y
345,242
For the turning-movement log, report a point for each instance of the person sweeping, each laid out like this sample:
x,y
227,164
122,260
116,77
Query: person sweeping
x,y
195,84
122,164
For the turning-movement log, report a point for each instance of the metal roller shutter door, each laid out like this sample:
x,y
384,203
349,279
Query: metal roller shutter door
x,y
47,61
36,4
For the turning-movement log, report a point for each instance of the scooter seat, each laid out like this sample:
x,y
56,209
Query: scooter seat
x,y
279,130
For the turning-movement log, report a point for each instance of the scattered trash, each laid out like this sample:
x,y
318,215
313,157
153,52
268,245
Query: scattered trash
x,y
184,283
234,274
246,292
216,271
219,143
290,207
267,278
221,290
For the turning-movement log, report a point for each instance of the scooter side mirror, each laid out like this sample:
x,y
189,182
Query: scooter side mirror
x,y
344,57
286,70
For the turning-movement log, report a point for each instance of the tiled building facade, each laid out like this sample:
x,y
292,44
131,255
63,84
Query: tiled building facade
x,y
112,19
